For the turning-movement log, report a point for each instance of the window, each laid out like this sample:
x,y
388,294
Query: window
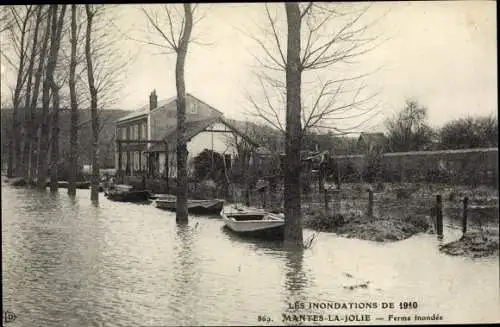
x,y
227,159
124,133
136,161
143,162
140,131
193,107
144,131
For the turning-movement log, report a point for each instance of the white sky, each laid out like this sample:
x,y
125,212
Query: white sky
x,y
441,53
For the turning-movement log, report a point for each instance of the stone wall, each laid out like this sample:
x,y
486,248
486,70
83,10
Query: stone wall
x,y
469,166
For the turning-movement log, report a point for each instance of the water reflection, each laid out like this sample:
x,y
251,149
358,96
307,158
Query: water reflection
x,y
274,247
69,263
185,280
296,278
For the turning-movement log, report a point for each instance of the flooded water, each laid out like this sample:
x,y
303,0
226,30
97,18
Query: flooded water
x,y
70,263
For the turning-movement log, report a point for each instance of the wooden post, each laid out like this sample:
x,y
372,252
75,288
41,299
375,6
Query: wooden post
x,y
439,216
464,217
127,167
264,202
166,168
336,202
120,173
370,203
140,163
325,198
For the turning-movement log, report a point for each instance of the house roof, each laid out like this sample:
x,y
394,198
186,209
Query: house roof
x,y
193,128
143,111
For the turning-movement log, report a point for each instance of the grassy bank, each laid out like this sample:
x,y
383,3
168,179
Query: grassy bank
x,y
379,229
474,245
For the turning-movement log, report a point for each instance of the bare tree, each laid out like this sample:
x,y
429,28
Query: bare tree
x,y
48,85
73,138
28,122
319,36
175,37
18,32
408,129
94,193
33,128
330,36
293,137
54,151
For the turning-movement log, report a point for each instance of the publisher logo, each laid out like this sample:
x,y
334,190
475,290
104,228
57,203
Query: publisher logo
x,y
9,316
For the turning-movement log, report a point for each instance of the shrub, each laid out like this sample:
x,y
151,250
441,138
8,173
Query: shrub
x,y
323,222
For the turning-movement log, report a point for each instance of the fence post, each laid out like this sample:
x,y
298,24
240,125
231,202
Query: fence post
x,y
325,198
370,203
167,186
439,216
464,217
263,197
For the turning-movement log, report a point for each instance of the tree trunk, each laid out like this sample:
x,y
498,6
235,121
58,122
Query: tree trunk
x,y
34,99
73,136
94,181
54,155
44,134
10,161
182,212
293,223
28,116
15,140
49,84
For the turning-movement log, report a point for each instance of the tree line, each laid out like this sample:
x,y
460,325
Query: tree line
x,y
409,130
61,60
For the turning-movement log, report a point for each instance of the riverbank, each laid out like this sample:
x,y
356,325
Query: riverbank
x,y
399,211
476,244
378,229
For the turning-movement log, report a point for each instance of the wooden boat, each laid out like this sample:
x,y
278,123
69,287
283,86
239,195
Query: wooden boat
x,y
254,222
64,184
127,193
17,181
169,202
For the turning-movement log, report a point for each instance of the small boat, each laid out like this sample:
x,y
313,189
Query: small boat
x,y
127,193
169,202
253,222
17,181
78,185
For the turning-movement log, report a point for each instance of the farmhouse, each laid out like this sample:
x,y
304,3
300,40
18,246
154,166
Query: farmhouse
x,y
206,128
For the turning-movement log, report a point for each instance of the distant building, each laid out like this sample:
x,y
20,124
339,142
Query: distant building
x,y
369,142
206,128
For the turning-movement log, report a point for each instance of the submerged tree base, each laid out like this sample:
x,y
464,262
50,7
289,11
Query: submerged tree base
x,y
474,245
366,228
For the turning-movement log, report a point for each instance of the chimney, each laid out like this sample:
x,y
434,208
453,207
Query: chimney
x,y
153,100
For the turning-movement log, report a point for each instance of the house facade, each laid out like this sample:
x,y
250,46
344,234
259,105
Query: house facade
x,y
206,128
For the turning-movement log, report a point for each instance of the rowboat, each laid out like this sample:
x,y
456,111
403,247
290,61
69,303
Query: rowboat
x,y
169,202
127,193
17,181
253,222
65,184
